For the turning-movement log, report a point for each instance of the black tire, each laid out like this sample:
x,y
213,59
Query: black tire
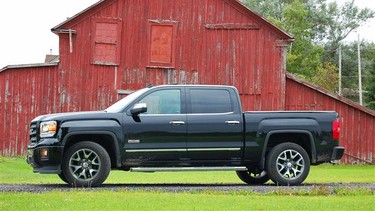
x,y
86,164
288,164
252,178
63,178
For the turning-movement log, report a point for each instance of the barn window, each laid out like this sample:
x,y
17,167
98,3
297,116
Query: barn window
x,y
106,38
161,45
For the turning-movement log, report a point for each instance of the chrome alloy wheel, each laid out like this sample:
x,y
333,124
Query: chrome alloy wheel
x,y
290,164
84,164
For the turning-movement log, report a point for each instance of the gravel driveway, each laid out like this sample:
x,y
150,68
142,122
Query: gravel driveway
x,y
39,188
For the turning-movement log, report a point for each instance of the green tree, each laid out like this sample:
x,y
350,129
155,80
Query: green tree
x,y
327,77
318,27
350,67
268,8
333,23
303,57
370,88
369,51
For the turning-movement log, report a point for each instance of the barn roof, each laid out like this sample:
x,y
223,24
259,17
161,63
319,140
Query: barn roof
x,y
60,28
80,14
19,66
332,95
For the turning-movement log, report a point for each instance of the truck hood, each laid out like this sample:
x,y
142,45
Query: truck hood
x,y
70,115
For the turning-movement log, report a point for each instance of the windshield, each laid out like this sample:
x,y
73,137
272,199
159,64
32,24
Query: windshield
x,y
120,105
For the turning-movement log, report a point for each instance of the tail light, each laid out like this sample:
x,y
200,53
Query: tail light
x,y
336,129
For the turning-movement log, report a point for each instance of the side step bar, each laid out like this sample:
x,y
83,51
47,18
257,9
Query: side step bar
x,y
173,169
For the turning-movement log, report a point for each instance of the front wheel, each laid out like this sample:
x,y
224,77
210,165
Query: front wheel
x,y
86,164
288,164
253,178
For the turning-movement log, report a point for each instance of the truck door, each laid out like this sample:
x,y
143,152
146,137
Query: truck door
x,y
215,125
160,133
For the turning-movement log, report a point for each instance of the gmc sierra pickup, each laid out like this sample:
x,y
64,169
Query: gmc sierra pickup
x,y
183,128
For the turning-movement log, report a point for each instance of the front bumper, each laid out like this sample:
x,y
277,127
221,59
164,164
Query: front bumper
x,y
50,164
337,153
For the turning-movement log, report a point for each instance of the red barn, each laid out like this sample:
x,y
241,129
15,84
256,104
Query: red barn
x,y
117,46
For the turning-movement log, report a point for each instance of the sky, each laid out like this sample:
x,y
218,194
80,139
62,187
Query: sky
x,y
25,27
366,31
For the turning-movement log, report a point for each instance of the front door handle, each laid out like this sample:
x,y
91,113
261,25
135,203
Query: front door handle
x,y
232,122
177,122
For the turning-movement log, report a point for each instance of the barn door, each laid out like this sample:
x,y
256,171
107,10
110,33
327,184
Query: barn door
x,y
234,55
106,38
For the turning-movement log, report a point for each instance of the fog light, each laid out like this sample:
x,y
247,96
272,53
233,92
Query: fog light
x,y
44,153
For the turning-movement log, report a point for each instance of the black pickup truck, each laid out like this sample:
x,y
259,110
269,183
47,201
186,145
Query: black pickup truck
x,y
183,128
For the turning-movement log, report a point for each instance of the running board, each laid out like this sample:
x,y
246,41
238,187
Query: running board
x,y
172,169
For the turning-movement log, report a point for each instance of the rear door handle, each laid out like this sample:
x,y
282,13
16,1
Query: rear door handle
x,y
232,122
177,122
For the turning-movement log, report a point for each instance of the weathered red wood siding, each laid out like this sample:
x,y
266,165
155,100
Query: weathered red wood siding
x,y
357,122
24,94
215,42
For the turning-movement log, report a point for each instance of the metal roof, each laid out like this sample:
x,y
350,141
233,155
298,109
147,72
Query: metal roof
x,y
17,66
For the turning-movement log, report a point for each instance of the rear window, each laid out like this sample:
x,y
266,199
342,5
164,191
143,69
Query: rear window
x,y
210,101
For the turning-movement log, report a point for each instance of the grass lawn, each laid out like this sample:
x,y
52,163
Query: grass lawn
x,y
125,200
15,170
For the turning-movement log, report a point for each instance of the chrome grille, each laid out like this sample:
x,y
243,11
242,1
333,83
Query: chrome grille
x,y
33,133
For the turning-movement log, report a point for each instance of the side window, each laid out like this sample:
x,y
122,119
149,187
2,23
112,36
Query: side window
x,y
210,101
163,102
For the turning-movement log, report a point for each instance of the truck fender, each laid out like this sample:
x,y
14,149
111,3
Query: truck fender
x,y
114,141
269,134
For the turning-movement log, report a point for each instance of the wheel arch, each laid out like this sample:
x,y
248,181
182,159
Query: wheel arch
x,y
106,139
275,137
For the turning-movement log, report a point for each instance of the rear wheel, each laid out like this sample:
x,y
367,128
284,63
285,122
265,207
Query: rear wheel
x,y
86,164
288,164
253,178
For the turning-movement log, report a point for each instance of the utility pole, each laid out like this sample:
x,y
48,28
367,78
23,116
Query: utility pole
x,y
340,73
359,74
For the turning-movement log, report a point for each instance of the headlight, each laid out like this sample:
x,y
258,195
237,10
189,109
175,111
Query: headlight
x,y
48,129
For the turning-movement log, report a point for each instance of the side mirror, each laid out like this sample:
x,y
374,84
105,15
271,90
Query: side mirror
x,y
138,108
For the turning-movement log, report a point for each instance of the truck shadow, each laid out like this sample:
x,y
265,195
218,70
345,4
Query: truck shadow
x,y
183,187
